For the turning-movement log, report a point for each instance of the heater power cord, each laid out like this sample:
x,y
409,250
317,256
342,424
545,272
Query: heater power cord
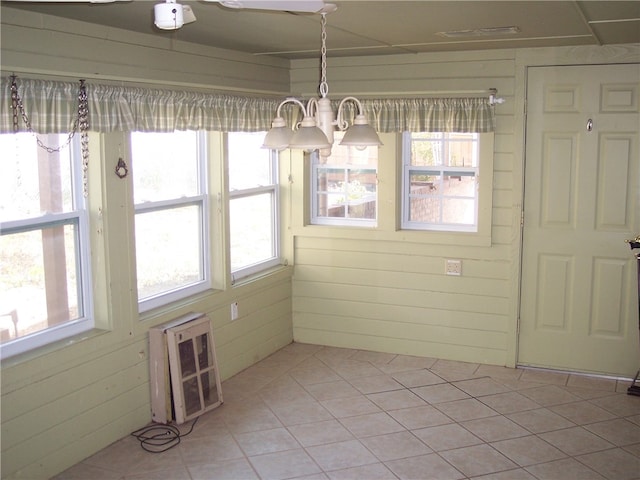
x,y
158,438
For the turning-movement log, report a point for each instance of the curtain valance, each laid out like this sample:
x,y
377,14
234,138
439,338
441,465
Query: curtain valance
x,y
431,114
52,106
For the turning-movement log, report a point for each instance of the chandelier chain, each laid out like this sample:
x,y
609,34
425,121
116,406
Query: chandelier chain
x,y
81,123
83,120
324,86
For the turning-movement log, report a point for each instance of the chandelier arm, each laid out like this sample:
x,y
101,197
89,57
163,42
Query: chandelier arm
x,y
291,100
312,108
342,124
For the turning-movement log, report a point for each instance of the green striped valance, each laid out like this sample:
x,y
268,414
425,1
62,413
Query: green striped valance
x,y
431,114
51,107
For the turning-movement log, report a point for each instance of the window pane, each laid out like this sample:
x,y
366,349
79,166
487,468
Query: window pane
x,y
209,388
191,394
423,183
345,184
331,206
205,354
330,180
249,163
459,185
164,165
34,181
426,135
425,209
362,194
168,249
252,230
38,280
462,153
426,153
458,211
352,156
187,358
366,210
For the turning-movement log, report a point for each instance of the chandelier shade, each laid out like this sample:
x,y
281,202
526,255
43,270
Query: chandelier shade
x,y
279,137
361,135
309,137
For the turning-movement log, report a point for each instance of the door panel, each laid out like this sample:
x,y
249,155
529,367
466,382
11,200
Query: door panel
x,y
579,307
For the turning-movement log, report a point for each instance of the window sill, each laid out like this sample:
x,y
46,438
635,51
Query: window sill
x,y
272,273
428,237
52,348
176,308
195,302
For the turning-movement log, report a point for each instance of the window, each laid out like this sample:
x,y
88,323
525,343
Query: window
x,y
171,216
253,204
344,186
441,181
45,292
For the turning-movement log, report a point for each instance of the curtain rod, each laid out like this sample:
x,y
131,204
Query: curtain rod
x,y
490,92
124,82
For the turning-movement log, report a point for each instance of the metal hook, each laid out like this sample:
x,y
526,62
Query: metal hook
x,y
589,125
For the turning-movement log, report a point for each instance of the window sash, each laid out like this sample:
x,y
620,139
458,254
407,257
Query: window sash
x,y
249,192
201,201
274,233
185,289
169,204
79,219
437,200
317,194
273,191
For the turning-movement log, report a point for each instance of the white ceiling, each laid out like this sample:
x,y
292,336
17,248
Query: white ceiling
x,y
361,28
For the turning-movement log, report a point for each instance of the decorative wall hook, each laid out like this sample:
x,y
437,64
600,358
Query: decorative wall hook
x,y
121,168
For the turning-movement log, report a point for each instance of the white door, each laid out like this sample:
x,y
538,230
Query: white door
x,y
579,296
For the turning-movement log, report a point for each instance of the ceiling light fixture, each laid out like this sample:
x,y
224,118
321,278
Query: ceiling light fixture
x,y
171,15
315,132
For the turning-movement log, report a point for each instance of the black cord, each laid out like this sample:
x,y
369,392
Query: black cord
x,y
160,438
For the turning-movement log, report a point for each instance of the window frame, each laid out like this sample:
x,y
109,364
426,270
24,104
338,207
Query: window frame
x,y
78,216
274,190
201,199
316,167
484,188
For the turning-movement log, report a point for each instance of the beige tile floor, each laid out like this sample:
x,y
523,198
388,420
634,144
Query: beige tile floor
x,y
312,412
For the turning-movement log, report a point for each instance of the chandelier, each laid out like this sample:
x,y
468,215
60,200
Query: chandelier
x,y
315,132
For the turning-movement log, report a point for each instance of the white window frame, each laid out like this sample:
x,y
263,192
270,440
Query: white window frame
x,y
316,168
483,171
273,190
201,200
79,216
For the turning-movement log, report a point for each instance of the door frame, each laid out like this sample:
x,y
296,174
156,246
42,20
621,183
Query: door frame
x,y
525,59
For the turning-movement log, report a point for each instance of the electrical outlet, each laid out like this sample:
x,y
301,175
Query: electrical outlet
x,y
234,311
453,267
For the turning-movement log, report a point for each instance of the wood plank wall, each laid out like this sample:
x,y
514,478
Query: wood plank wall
x,y
67,402
378,290
384,289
